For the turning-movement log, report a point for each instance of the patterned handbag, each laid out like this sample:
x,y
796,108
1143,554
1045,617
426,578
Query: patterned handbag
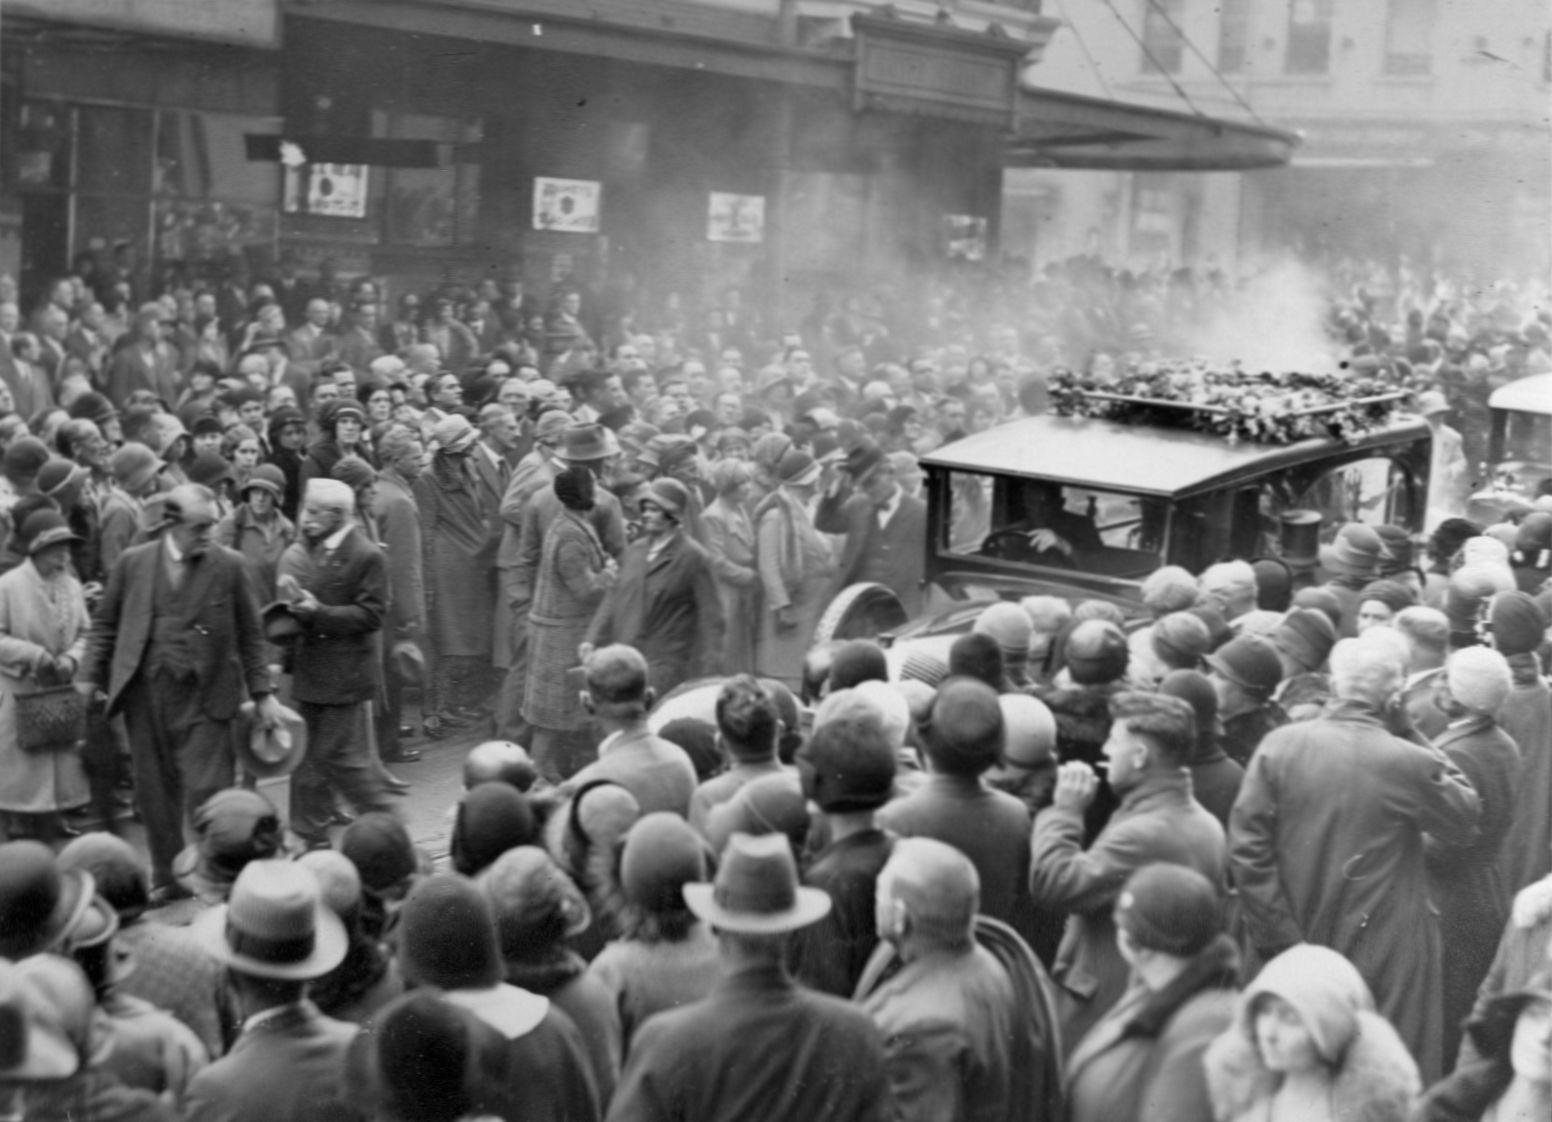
x,y
51,719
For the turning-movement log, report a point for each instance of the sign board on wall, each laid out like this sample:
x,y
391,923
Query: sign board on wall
x,y
569,206
735,218
327,190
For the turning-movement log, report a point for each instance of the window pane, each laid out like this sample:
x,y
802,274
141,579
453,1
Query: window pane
x,y
115,154
434,206
1309,37
1162,42
1233,35
1409,37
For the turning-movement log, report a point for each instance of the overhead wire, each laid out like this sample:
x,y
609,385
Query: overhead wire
x,y
1151,57
1194,49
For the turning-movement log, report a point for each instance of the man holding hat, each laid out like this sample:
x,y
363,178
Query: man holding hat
x,y
664,602
759,1047
1466,881
884,527
336,584
275,936
176,644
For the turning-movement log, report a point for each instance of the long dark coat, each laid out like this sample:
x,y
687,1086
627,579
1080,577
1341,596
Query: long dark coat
x,y
1526,716
667,609
1467,883
1326,846
458,572
731,543
567,591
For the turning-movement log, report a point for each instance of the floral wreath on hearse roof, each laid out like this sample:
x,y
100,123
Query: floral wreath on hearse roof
x,y
1262,408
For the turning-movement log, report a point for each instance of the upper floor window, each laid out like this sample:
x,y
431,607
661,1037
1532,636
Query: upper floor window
x,y
1309,37
1409,36
1163,46
1233,35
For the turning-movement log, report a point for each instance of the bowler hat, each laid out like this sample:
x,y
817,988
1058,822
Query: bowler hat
x,y
39,904
756,891
276,925
266,753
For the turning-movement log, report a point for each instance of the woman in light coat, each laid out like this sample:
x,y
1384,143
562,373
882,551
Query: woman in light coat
x,y
1307,1044
730,540
43,629
796,570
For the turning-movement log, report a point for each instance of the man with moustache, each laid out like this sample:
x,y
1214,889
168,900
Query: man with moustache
x,y
335,581
177,644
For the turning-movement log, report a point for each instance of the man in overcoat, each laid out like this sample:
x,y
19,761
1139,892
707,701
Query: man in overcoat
x,y
177,646
884,528
398,524
1326,844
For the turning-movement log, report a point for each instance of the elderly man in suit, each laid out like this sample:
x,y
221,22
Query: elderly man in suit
x,y
884,527
313,341
146,363
397,512
288,1064
177,645
336,583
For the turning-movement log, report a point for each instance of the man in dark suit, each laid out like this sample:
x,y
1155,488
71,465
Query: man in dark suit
x,y
146,363
886,529
177,644
313,342
288,1063
762,1047
336,582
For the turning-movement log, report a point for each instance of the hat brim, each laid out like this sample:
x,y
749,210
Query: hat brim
x,y
262,485
808,475
810,906
278,622
251,737
329,946
59,535
189,871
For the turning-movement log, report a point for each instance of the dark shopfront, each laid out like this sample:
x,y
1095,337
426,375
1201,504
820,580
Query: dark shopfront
x,y
679,177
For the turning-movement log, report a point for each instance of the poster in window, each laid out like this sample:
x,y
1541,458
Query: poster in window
x,y
569,206
337,190
736,218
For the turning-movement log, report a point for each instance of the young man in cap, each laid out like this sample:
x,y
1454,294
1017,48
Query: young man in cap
x,y
287,1065
758,1047
1152,738
335,582
176,645
1358,790
884,527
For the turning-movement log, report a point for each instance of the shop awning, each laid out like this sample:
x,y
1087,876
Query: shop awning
x,y
1055,129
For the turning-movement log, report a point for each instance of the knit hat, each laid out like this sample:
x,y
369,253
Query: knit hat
x,y
1519,626
491,819
1479,679
1392,594
1096,653
1180,639
1029,731
447,935
354,472
857,660
268,478
848,764
1192,687
133,466
1249,662
535,904
93,407
1305,635
771,804
964,731
379,847
1170,589
24,459
662,854
1169,908
1322,600
1009,626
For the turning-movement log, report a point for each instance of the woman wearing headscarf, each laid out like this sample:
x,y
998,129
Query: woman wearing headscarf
x,y
1510,1078
573,576
1306,1044
43,629
730,541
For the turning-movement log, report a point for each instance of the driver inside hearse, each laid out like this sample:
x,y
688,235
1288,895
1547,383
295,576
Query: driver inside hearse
x,y
1030,521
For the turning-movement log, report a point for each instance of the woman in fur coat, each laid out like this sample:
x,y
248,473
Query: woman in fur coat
x,y
1306,1045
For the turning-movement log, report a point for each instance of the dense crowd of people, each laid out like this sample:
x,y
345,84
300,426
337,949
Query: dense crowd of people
x,y
1276,846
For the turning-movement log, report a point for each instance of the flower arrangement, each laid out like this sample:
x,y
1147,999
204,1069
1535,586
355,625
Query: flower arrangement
x,y
1263,408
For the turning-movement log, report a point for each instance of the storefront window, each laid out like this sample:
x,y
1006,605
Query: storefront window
x,y
211,200
433,207
1409,37
1309,37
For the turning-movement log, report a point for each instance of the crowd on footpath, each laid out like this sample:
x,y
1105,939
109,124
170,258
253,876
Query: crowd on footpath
x,y
1281,851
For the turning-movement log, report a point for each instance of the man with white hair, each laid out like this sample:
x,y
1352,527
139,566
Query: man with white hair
x,y
962,1037
1326,844
335,583
1467,880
